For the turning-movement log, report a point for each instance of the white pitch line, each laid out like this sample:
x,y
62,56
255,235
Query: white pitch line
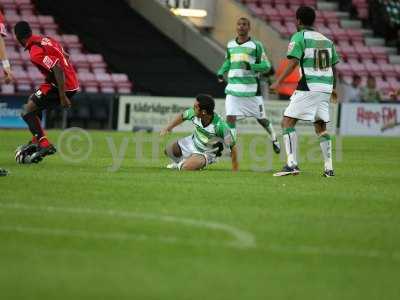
x,y
242,239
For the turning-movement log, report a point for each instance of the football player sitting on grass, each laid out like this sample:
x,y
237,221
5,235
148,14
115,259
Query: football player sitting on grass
x,y
205,144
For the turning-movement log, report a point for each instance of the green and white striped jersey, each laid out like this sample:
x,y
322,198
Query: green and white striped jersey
x,y
244,62
205,138
317,55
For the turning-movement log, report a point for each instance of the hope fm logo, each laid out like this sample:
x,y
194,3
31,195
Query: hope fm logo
x,y
387,117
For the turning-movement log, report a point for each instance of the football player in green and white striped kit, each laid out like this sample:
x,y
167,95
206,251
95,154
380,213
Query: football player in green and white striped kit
x,y
201,148
245,61
317,57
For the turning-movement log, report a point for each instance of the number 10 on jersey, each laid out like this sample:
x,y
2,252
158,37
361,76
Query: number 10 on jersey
x,y
321,59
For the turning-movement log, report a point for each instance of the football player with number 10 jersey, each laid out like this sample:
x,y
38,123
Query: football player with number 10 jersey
x,y
317,57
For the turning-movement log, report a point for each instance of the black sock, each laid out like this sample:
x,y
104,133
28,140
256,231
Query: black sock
x,y
31,120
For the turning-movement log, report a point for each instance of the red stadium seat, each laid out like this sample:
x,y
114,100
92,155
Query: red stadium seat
x,y
122,83
397,68
373,69
348,52
23,82
345,69
7,89
387,69
364,52
88,82
10,10
379,52
255,9
272,14
47,22
340,34
13,19
355,35
359,69
79,60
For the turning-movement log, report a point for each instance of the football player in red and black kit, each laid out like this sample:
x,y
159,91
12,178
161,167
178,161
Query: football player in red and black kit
x,y
61,84
8,77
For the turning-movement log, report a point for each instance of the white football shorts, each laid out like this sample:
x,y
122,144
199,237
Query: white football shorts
x,y
243,107
188,148
309,106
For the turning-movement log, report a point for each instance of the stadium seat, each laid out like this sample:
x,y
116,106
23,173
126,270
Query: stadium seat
x,y
70,40
122,83
373,69
355,35
397,69
255,9
345,69
364,52
387,69
10,10
379,52
79,60
96,61
47,22
12,19
7,89
361,7
359,69
104,79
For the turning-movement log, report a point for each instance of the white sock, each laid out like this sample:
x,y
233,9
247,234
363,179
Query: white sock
x,y
326,147
271,131
180,164
290,140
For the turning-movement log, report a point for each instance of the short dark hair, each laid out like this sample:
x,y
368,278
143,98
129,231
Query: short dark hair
x,y
244,19
306,15
22,30
206,102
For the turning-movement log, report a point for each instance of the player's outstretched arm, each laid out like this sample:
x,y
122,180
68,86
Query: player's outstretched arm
x,y
175,122
60,79
234,158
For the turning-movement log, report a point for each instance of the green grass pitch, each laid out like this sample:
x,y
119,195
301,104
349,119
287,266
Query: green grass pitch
x,y
127,228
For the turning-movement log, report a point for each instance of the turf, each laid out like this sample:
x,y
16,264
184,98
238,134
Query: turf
x,y
91,230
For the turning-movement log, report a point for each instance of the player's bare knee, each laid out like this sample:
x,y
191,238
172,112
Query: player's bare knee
x,y
287,122
320,127
189,166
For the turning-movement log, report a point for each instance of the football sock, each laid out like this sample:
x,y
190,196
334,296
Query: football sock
x,y
268,127
232,126
44,142
326,147
180,164
39,128
33,122
290,140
